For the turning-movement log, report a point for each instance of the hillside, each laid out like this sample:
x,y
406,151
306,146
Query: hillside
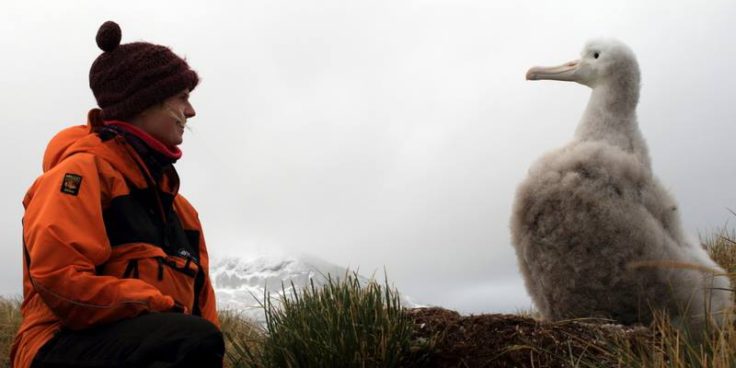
x,y
487,340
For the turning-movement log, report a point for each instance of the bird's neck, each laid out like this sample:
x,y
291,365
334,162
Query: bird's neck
x,y
610,117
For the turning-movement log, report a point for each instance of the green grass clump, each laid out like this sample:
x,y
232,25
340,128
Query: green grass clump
x,y
341,324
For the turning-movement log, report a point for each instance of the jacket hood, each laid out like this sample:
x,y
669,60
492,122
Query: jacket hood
x,y
62,145
85,139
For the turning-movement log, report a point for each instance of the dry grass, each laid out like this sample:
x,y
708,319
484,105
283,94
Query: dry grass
x,y
233,324
669,347
9,321
239,329
722,248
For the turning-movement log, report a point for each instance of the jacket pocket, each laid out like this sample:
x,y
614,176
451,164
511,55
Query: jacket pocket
x,y
173,276
177,277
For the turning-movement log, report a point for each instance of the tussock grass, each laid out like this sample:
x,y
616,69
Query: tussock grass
x,y
341,324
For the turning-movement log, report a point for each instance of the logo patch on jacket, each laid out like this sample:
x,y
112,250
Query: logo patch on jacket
x,y
71,184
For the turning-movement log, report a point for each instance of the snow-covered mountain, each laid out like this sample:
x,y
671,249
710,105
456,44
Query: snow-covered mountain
x,y
240,284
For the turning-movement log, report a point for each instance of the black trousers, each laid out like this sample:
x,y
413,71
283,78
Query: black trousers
x,y
151,340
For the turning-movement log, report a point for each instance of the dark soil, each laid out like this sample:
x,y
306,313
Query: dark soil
x,y
501,340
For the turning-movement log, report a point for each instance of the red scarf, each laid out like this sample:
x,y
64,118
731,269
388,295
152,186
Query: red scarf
x,y
174,153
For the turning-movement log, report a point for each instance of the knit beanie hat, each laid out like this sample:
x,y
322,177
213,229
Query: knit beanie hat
x,y
126,79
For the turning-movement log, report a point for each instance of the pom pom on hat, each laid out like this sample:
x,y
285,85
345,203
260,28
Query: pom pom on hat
x,y
108,36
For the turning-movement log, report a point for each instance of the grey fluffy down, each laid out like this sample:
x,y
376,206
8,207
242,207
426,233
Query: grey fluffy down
x,y
596,235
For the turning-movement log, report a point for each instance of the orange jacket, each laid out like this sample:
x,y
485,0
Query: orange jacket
x,y
100,245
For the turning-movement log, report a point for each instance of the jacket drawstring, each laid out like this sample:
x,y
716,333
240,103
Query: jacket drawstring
x,y
160,268
131,270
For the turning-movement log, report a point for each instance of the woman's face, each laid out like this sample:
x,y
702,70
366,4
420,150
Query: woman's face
x,y
166,121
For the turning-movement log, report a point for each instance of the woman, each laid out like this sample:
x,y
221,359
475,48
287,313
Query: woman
x,y
116,267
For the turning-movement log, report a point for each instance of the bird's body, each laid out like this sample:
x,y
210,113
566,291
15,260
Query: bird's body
x,y
595,232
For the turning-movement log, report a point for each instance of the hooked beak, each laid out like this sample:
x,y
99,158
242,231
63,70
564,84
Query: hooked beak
x,y
564,72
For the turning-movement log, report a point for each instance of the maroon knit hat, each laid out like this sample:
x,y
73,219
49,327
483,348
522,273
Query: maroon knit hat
x,y
126,79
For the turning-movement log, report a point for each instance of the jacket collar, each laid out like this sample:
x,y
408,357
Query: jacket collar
x,y
169,153
157,158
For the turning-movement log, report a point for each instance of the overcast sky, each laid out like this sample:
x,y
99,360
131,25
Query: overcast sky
x,y
379,134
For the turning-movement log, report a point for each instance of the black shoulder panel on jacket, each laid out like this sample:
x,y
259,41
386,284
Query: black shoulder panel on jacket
x,y
132,218
137,218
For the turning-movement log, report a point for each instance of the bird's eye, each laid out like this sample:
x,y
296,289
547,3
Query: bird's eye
x,y
595,55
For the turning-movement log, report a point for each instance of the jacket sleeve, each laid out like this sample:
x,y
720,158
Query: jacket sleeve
x,y
65,237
